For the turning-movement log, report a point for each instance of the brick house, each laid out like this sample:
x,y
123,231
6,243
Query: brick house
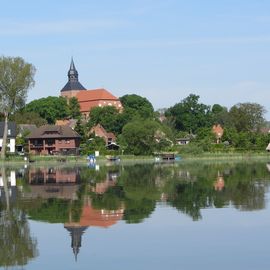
x,y
51,139
218,131
99,131
87,99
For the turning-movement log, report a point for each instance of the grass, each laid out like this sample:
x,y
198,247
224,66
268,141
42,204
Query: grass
x,y
131,158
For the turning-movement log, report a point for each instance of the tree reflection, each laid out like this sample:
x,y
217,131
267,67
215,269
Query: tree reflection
x,y
241,185
17,246
83,197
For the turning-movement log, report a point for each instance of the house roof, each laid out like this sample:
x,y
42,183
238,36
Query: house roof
x,y
183,139
95,95
53,131
72,86
11,127
67,122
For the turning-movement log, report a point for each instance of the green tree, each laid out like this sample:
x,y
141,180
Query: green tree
x,y
17,247
190,115
230,135
109,117
80,129
247,116
16,77
49,108
220,115
135,105
139,136
74,108
23,117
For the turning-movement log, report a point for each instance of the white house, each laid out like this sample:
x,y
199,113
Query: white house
x,y
11,136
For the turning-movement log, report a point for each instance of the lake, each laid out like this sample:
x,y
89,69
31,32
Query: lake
x,y
183,215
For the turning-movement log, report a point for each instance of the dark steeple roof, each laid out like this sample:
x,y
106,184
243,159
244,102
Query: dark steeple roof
x,y
76,233
73,79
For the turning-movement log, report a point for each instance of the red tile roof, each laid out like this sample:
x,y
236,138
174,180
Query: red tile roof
x,y
87,106
95,95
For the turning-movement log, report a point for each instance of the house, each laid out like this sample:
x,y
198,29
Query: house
x,y
11,136
8,187
182,141
87,99
96,98
218,131
99,131
52,139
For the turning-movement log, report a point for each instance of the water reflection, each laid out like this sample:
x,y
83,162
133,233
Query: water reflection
x,y
83,197
17,246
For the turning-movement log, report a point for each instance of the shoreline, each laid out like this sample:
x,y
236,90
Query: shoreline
x,y
71,160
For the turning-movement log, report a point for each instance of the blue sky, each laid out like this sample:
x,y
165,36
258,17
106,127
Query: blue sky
x,y
160,49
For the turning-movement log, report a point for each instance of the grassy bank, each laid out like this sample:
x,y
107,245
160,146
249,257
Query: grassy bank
x,y
131,158
229,156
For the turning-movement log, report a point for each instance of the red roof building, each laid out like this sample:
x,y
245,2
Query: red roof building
x,y
88,99
99,131
51,139
96,98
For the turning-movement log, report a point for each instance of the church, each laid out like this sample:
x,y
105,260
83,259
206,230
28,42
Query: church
x,y
88,99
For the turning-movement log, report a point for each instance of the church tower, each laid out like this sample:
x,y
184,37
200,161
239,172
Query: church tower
x,y
73,86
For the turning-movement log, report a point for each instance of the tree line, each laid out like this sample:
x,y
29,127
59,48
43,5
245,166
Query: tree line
x,y
139,129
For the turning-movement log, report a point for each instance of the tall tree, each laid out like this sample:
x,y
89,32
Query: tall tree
x,y
190,115
49,108
74,108
22,117
220,115
135,105
109,117
247,116
16,77
139,136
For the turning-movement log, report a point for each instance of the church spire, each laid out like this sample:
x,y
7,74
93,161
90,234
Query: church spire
x,y
73,73
73,83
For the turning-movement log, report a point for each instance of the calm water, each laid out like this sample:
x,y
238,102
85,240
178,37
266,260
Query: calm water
x,y
144,216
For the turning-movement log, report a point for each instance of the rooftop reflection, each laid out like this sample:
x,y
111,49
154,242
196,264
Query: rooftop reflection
x,y
82,197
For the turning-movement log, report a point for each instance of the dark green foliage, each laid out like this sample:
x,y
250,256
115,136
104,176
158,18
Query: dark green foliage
x,y
93,144
139,136
23,117
51,210
190,115
220,115
135,105
49,108
16,244
109,117
247,116
110,200
80,129
74,108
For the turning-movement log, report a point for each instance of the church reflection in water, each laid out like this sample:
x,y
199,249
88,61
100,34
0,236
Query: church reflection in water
x,y
82,197
65,184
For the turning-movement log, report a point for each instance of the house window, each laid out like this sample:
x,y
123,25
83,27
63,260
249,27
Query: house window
x,y
60,141
9,132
